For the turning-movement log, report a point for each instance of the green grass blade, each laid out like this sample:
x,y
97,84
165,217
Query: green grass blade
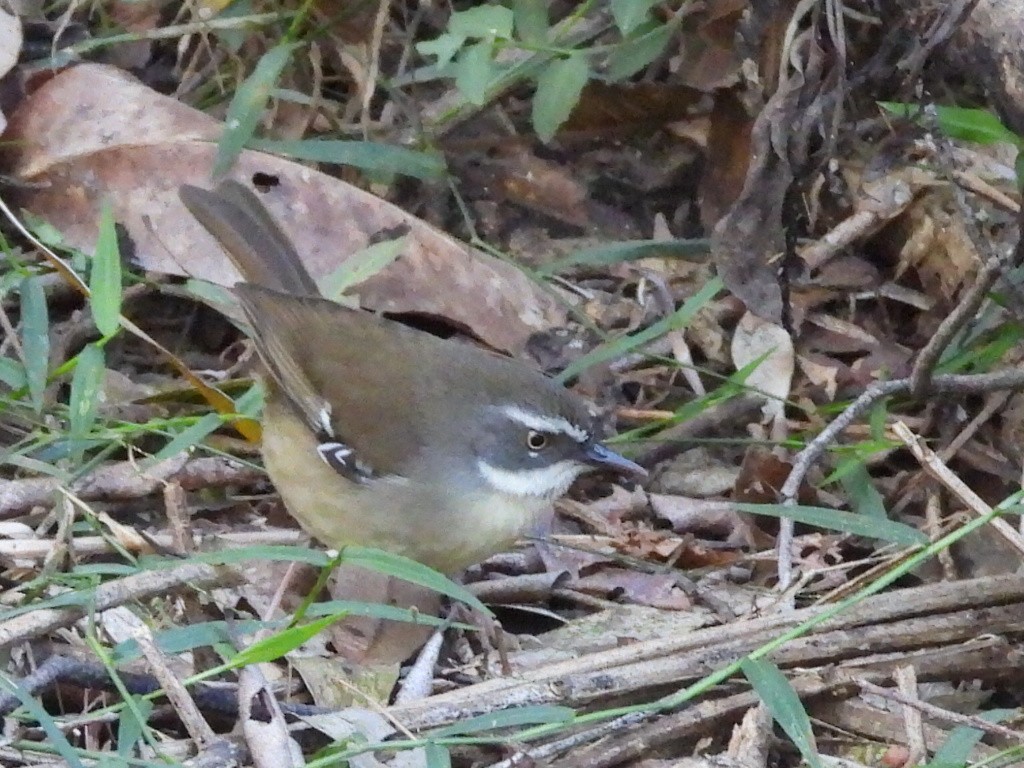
x,y
287,640
55,736
782,701
247,106
187,438
105,276
409,570
83,400
837,520
361,266
621,346
377,560
35,339
864,497
437,756
370,156
12,373
130,731
539,714
960,744
382,611
235,555
187,638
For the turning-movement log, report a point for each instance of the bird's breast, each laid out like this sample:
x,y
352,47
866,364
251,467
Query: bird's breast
x,y
438,524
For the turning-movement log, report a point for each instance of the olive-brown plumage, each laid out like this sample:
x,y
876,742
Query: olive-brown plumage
x,y
382,435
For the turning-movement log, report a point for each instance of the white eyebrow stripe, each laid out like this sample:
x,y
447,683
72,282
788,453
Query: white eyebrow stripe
x,y
549,424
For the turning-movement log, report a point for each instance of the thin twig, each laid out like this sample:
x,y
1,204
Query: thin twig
x,y
972,721
957,384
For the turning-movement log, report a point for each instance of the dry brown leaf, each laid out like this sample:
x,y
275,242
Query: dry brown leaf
x,y
516,175
682,552
712,61
758,339
699,472
728,156
820,374
938,247
94,133
655,590
139,17
761,477
718,519
625,108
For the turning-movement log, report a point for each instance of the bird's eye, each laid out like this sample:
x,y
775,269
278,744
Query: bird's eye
x,y
536,441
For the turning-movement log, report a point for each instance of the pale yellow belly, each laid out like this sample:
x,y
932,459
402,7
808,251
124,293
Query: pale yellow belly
x,y
432,526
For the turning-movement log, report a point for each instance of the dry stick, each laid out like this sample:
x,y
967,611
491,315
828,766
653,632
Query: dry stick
x,y
221,698
178,518
982,188
924,365
971,721
420,677
200,731
138,586
957,384
831,679
636,668
913,724
934,466
123,481
691,723
943,26
369,84
35,550
262,722
992,405
992,268
526,589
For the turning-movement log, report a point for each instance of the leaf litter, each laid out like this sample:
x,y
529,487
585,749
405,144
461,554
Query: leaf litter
x,y
848,241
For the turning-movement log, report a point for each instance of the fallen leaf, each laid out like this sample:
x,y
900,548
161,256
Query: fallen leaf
x,y
718,519
655,590
820,374
93,134
10,41
757,339
627,108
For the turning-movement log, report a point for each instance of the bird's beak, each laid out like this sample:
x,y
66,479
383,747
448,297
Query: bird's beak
x,y
600,457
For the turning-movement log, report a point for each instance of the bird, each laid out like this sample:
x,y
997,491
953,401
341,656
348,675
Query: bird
x,y
386,436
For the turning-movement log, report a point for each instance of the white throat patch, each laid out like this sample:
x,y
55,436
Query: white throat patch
x,y
543,482
553,425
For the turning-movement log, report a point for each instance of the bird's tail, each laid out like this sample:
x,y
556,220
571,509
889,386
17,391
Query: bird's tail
x,y
257,246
